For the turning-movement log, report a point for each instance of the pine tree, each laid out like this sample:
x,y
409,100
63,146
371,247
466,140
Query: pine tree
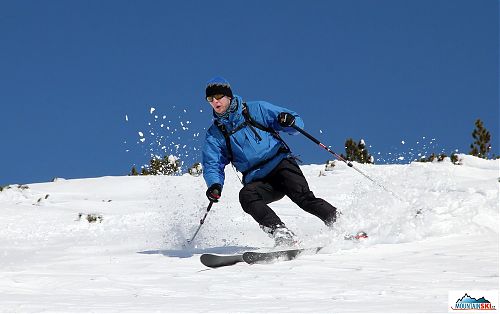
x,y
134,172
357,152
350,149
364,157
481,146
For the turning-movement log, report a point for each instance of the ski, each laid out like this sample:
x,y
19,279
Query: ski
x,y
271,257
217,260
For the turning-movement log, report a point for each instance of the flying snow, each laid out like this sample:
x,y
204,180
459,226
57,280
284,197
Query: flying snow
x,y
174,136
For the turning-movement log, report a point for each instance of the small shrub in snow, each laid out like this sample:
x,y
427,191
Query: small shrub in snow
x,y
196,170
94,218
441,157
42,198
433,157
168,165
454,159
19,186
91,218
330,164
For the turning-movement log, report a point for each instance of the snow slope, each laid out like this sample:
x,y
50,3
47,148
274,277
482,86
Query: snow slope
x,y
132,258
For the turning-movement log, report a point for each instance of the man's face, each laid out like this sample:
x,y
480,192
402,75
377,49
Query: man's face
x,y
220,105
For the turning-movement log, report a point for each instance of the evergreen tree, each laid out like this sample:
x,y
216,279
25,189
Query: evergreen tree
x,y
481,146
350,149
357,152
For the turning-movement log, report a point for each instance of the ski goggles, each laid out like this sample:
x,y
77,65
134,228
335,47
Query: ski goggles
x,y
216,96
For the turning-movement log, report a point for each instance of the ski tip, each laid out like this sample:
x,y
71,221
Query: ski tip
x,y
217,260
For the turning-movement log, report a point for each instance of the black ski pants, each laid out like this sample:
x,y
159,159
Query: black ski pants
x,y
286,179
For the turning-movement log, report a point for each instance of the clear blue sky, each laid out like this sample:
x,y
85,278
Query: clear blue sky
x,y
386,71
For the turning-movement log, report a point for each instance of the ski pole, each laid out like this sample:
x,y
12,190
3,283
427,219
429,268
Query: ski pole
x,y
312,138
202,220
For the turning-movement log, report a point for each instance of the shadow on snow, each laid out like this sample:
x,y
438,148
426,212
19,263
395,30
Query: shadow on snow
x,y
189,252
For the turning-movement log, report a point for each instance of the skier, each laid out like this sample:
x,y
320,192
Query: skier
x,y
246,134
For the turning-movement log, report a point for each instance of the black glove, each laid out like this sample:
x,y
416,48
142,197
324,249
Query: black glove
x,y
214,192
286,119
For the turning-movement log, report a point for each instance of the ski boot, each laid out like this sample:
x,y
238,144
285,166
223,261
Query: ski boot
x,y
283,237
330,221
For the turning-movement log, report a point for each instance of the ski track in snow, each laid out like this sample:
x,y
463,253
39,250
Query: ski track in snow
x,y
53,259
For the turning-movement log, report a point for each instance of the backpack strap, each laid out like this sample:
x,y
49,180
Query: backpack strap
x,y
223,130
258,125
251,123
250,120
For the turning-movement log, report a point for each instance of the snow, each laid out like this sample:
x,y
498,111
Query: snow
x,y
53,259
165,135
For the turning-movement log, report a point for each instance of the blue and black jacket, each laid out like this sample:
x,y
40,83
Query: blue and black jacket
x,y
254,152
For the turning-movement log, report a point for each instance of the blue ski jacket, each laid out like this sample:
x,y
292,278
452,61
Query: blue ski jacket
x,y
248,150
